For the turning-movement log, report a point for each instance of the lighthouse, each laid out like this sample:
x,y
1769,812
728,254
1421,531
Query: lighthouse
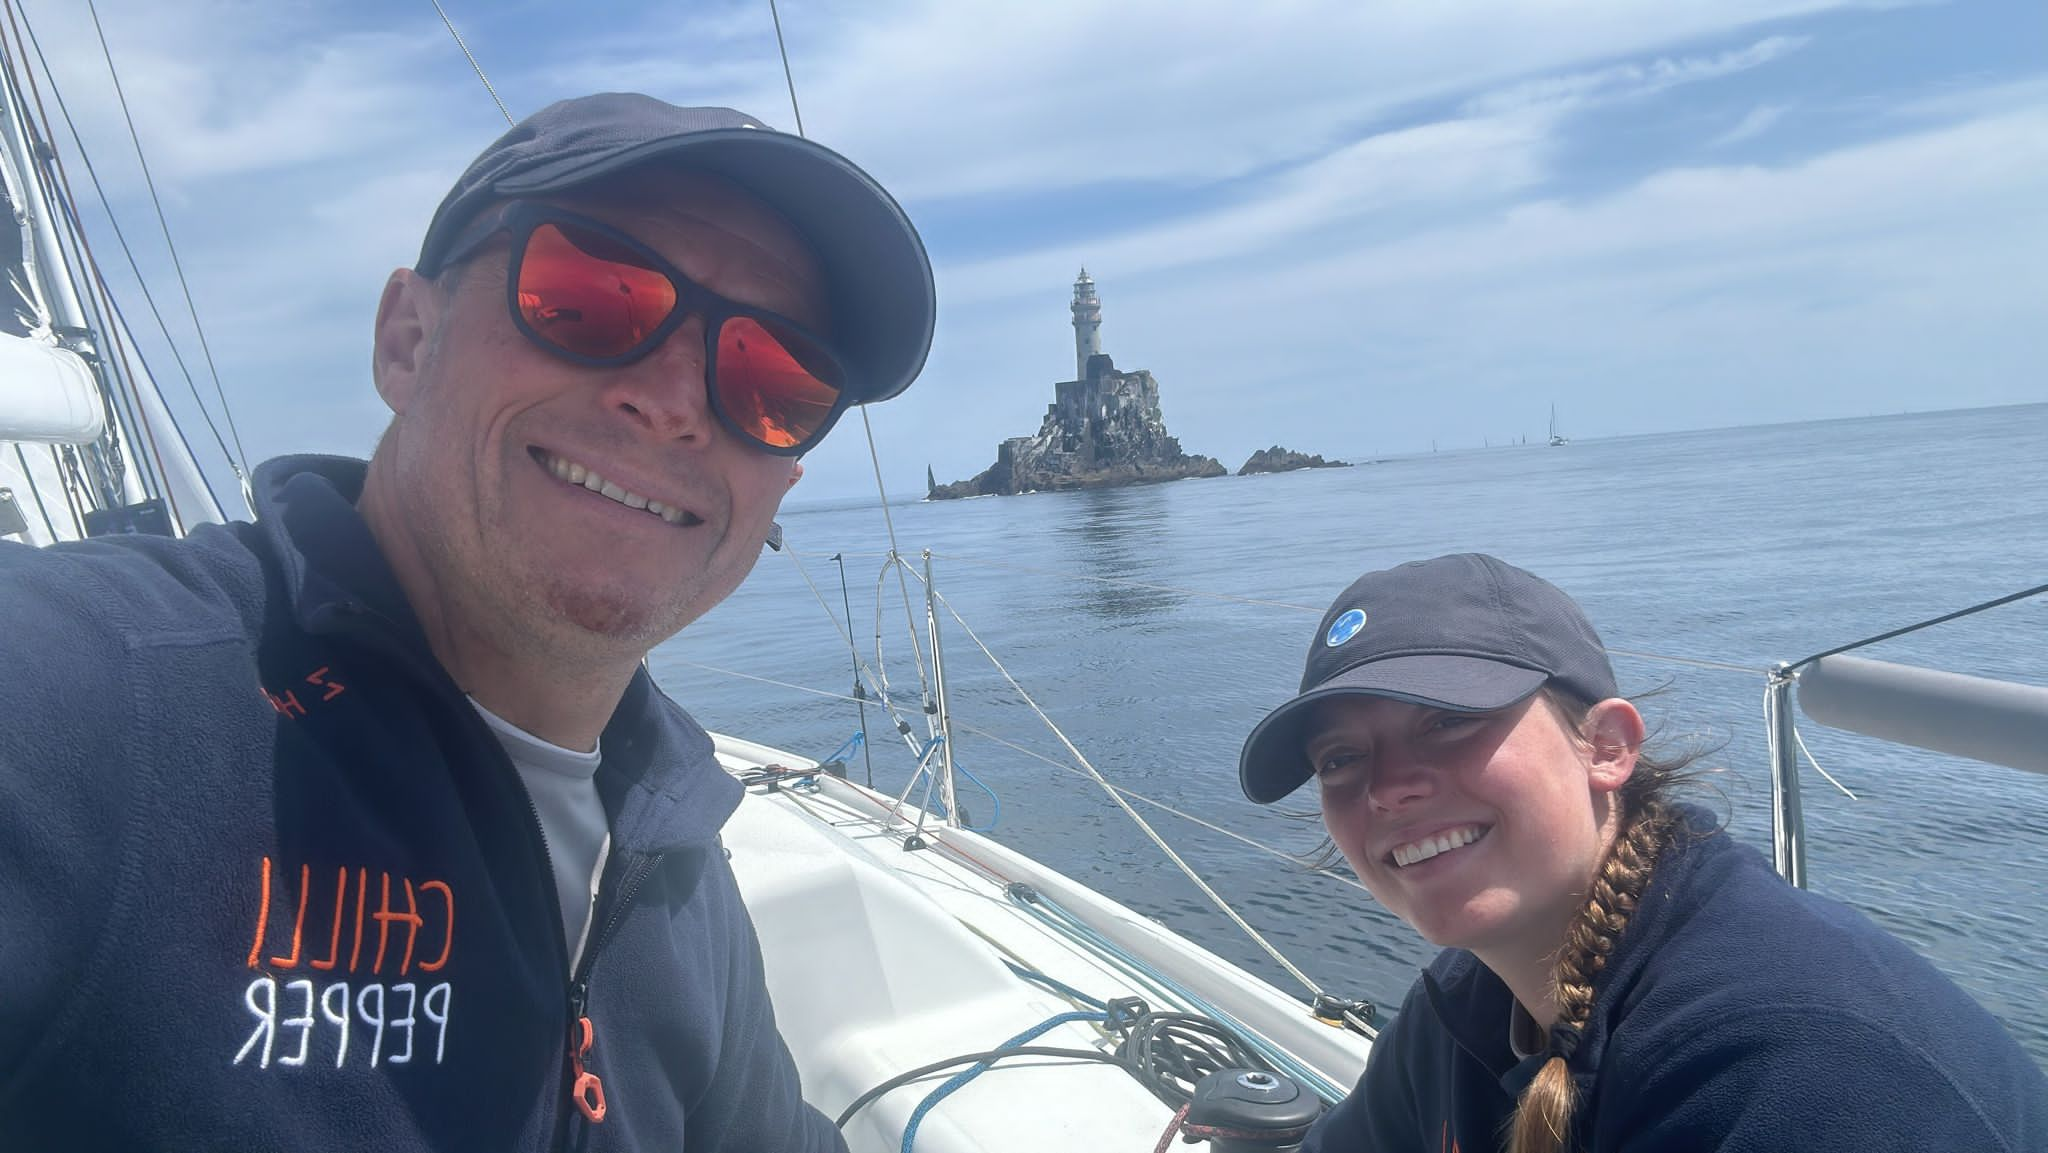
x,y
1087,324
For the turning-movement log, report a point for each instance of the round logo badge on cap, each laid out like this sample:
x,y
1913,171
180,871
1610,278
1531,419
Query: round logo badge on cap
x,y
1345,627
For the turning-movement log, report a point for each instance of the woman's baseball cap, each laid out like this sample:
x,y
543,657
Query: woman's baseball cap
x,y
1466,632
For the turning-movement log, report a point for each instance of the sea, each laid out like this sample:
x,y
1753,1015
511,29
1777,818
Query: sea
x,y
1155,625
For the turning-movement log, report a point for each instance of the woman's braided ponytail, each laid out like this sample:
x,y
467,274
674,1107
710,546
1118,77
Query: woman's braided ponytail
x,y
1543,1117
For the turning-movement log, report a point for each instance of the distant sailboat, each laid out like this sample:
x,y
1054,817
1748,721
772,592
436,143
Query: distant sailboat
x,y
1557,439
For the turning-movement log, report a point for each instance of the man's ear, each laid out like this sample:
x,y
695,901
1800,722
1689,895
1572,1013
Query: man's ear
x,y
1614,730
796,473
406,316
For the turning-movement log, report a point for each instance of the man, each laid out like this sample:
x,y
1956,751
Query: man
x,y
363,826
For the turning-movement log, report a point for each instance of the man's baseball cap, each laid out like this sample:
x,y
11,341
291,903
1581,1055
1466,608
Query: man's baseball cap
x,y
877,276
1466,632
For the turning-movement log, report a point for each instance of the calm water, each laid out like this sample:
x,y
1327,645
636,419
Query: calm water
x,y
1743,546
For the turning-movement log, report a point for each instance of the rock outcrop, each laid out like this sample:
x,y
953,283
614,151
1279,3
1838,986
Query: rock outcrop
x,y
1277,459
1099,432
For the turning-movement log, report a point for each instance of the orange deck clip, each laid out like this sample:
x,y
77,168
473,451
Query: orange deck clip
x,y
587,1091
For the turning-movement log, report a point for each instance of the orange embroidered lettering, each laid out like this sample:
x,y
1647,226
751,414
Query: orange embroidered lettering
x,y
334,938
286,704
262,918
318,678
298,926
448,934
362,887
412,928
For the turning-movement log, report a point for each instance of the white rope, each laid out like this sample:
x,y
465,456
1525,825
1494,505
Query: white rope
x,y
1801,741
877,679
1186,869
895,557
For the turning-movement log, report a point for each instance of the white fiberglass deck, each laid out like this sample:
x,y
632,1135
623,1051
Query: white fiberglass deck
x,y
881,960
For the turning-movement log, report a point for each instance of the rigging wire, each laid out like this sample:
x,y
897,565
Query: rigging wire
x,y
134,268
874,457
52,178
909,619
867,755
1144,826
472,63
787,76
895,555
1929,623
178,266
36,491
877,678
1034,754
1160,805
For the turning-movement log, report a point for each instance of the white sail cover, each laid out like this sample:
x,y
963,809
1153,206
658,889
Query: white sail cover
x,y
47,394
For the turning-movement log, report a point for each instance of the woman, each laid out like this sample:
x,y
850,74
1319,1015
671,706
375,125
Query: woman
x,y
1617,974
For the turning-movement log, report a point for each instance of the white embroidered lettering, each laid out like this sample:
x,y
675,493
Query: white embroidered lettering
x,y
303,1022
406,1022
438,1016
363,1011
338,1017
266,1018
292,1032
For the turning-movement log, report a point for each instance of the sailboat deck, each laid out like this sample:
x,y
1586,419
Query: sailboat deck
x,y
882,959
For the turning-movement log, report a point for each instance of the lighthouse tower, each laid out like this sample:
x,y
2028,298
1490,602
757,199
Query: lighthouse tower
x,y
1087,324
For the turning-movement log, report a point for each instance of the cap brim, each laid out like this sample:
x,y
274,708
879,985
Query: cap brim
x,y
878,276
1274,762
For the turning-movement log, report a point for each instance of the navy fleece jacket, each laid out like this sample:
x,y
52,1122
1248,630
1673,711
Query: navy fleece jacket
x,y
1737,1013
268,882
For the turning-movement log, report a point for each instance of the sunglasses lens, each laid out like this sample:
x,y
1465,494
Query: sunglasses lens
x,y
773,382
588,294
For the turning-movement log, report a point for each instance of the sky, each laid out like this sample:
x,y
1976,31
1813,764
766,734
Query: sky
x,y
1348,227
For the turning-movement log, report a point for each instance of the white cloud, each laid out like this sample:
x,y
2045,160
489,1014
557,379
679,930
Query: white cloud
x,y
1442,165
1755,123
1620,81
1380,222
1908,270
957,98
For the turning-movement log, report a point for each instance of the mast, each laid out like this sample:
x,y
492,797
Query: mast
x,y
89,435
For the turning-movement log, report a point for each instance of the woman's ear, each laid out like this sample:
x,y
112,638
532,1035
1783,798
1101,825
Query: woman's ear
x,y
1614,730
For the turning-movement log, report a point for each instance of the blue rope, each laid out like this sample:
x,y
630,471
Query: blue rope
x,y
998,817
852,746
937,807
942,1092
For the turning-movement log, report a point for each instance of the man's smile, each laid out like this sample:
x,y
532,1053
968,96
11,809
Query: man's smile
x,y
578,473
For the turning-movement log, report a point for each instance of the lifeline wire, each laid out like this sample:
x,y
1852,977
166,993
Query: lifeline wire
x,y
1036,755
1722,666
